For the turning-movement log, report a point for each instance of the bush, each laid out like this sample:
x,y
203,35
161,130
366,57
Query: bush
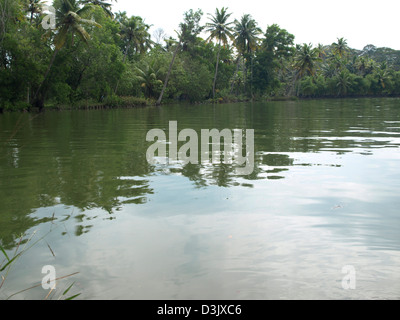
x,y
112,101
129,101
15,106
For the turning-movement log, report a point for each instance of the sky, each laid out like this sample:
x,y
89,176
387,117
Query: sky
x,y
310,21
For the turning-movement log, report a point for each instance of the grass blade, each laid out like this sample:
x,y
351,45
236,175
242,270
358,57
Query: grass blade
x,y
73,297
52,252
2,281
66,291
35,286
4,252
9,262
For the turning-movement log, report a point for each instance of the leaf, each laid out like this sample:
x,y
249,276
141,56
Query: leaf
x,y
9,262
52,252
73,297
5,254
61,37
66,291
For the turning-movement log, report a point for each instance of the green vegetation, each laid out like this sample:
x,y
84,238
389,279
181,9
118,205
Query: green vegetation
x,y
7,264
97,58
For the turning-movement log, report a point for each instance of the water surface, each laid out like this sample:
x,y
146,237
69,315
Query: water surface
x,y
324,194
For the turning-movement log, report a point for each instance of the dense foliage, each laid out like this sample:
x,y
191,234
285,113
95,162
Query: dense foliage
x,y
92,56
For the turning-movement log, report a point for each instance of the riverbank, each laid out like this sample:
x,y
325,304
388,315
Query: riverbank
x,y
129,102
107,103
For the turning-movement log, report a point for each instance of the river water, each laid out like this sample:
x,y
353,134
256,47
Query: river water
x,y
318,218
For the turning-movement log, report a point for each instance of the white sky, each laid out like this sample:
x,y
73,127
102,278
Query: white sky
x,y
310,21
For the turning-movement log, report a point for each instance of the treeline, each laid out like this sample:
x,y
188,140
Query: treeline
x,y
95,57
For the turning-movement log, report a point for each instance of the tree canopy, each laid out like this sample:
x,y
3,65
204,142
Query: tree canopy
x,y
94,56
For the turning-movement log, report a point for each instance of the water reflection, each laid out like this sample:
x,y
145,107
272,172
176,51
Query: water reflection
x,y
97,159
326,176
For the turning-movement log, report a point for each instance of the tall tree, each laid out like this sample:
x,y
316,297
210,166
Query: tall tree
x,y
189,30
135,35
103,4
272,57
34,7
69,21
305,61
221,30
340,47
177,48
246,40
246,34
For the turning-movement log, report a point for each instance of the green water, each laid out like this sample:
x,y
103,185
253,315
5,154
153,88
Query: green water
x,y
324,194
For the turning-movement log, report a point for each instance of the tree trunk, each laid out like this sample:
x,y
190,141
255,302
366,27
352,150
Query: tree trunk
x,y
251,77
34,100
216,68
168,75
244,76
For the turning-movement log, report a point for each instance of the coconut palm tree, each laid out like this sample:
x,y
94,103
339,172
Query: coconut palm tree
x,y
69,21
340,47
189,29
246,34
382,76
177,48
104,5
147,75
305,61
365,65
34,7
343,82
246,38
321,51
220,29
135,35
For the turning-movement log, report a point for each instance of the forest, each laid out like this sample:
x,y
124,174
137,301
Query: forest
x,y
81,54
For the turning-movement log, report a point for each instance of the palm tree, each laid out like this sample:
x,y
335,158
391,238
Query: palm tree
x,y
189,29
382,76
219,29
69,22
340,47
178,46
104,5
246,40
328,70
364,65
337,63
321,51
134,34
305,61
343,82
34,7
246,32
147,75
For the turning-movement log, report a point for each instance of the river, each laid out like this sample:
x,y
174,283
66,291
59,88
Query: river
x,y
317,218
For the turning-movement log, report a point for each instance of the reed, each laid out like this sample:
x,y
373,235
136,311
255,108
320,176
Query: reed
x,y
8,263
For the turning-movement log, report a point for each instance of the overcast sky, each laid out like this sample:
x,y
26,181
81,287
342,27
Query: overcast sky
x,y
310,21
